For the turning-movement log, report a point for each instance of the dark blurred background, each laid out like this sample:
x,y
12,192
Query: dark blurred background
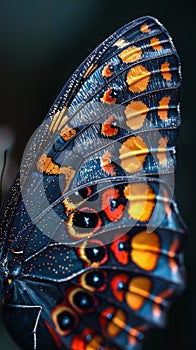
x,y
41,44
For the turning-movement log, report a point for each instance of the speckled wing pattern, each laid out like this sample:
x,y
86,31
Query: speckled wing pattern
x,y
100,263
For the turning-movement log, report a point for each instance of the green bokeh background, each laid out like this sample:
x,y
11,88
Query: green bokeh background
x,y
41,44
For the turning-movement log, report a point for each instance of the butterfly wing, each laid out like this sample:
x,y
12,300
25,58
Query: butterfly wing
x,y
95,223
139,64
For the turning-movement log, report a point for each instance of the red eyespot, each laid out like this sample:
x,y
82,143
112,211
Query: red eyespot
x,y
111,204
118,284
121,250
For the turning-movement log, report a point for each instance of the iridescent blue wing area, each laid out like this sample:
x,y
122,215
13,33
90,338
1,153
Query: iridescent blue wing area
x,y
91,235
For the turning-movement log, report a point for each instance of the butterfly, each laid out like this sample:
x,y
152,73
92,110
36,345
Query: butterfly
x,y
91,240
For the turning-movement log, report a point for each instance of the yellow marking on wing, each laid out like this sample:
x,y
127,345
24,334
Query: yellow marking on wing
x,y
60,309
68,205
89,71
58,120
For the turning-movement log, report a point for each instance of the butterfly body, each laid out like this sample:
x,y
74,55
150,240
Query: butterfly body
x,y
91,238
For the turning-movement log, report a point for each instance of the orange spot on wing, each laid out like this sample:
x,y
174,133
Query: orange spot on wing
x,y
148,241
107,98
107,129
173,248
145,250
46,165
133,153
145,28
67,133
107,72
164,107
161,151
141,201
132,340
138,78
136,112
145,260
106,163
95,343
131,54
117,324
136,333
139,290
163,295
156,311
155,43
165,71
